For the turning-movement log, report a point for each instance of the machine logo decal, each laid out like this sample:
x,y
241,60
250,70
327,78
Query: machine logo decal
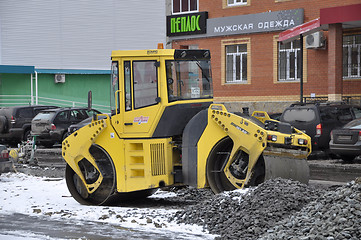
x,y
239,128
141,120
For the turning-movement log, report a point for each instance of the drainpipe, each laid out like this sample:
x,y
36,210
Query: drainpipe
x,y
36,88
31,90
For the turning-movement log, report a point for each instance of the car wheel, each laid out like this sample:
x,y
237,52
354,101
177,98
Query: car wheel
x,y
67,134
3,122
27,135
347,158
48,144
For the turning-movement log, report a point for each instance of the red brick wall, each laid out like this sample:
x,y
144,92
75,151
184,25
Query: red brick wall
x,y
262,53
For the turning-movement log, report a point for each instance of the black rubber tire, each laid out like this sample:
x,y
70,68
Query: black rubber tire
x,y
47,144
27,135
217,158
65,135
348,158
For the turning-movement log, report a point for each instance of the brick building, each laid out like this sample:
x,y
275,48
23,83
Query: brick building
x,y
252,67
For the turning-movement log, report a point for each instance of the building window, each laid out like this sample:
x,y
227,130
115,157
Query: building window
x,y
236,2
289,68
184,6
351,56
236,63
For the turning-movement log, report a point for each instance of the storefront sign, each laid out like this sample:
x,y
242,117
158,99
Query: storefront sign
x,y
255,23
187,24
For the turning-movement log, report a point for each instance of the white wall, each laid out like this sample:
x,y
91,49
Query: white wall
x,y
68,34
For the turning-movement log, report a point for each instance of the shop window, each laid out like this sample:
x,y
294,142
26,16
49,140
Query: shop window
x,y
236,2
184,6
351,56
236,63
289,68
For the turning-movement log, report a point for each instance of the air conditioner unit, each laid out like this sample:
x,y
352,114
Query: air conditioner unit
x,y
59,78
315,40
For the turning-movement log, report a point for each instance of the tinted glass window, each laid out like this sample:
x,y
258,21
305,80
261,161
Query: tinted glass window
x,y
328,114
299,115
44,115
37,110
62,117
127,84
356,124
90,113
76,115
335,114
145,83
344,114
26,113
357,112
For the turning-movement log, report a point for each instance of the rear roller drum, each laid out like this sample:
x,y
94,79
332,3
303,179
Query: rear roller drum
x,y
219,158
105,191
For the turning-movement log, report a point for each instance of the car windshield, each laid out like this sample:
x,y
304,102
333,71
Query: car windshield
x,y
189,79
355,124
44,116
299,115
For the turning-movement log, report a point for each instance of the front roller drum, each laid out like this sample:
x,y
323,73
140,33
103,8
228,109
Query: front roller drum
x,y
218,159
106,193
267,167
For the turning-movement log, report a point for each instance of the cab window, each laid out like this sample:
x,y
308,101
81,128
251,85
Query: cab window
x,y
145,78
114,84
190,79
127,84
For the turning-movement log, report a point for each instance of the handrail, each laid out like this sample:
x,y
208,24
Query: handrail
x,y
16,100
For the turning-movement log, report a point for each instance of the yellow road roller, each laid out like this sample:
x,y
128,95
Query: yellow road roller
x,y
164,130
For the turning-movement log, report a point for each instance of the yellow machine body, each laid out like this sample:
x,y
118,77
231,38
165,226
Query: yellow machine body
x,y
164,131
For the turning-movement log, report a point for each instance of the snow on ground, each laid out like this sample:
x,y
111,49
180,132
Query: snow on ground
x,y
46,197
20,235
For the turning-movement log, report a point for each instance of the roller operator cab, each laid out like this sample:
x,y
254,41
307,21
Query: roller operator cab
x,y
164,130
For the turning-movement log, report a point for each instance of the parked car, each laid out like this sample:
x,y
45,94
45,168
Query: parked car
x,y
15,122
50,126
5,162
318,119
346,141
275,116
74,127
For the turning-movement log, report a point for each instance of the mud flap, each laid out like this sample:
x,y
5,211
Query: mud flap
x,y
287,168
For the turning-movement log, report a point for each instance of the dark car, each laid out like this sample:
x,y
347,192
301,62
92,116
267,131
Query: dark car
x,y
5,163
275,116
74,127
15,122
346,142
50,126
318,119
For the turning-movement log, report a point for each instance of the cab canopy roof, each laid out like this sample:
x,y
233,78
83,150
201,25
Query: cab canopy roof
x,y
178,54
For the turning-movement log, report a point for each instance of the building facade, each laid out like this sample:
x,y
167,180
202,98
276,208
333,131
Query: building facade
x,y
252,67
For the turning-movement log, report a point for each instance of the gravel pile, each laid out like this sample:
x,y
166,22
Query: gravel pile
x,y
334,215
235,215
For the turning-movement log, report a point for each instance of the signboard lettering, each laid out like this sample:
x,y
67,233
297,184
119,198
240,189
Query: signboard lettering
x,y
254,23
187,24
